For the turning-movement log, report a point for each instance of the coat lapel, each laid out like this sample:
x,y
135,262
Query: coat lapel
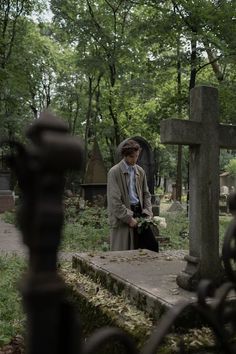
x,y
125,181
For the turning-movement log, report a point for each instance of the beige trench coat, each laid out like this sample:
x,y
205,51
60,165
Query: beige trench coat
x,y
119,211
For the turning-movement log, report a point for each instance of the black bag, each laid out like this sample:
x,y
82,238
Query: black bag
x,y
147,240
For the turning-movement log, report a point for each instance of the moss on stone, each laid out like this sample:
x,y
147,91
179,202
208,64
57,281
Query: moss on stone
x,y
98,307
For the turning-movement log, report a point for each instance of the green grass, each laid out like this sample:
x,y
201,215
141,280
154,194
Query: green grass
x,y
11,313
84,238
224,222
86,230
9,217
178,227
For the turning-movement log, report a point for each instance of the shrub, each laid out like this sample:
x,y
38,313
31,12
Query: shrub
x,y
12,317
231,167
86,229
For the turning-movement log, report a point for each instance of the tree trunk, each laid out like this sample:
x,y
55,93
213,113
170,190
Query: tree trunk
x,y
214,62
88,121
75,115
112,112
192,82
179,154
193,63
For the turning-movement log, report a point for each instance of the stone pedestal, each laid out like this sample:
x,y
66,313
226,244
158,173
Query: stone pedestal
x,y
7,200
4,180
223,204
155,205
94,193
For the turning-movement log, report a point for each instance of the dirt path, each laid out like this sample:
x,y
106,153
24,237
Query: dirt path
x,y
10,239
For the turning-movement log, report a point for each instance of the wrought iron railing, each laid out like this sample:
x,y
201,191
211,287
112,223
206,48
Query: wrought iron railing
x,y
52,324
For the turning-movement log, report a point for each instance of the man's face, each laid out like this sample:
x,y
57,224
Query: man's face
x,y
133,158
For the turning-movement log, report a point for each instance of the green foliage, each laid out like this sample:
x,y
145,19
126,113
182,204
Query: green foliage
x,y
223,225
225,157
86,229
9,217
24,81
231,167
11,313
178,229
114,70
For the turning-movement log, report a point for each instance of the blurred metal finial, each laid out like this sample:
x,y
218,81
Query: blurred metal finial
x,y
40,168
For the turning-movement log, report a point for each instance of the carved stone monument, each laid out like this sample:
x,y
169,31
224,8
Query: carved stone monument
x,y
95,181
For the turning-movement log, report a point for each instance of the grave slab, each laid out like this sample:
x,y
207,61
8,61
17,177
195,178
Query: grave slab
x,y
146,278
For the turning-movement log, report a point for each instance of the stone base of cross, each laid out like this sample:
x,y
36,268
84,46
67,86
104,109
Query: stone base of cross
x,y
205,136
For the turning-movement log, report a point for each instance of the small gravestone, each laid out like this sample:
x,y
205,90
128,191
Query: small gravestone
x,y
4,180
95,180
7,201
176,206
173,192
223,204
224,190
227,180
223,201
146,161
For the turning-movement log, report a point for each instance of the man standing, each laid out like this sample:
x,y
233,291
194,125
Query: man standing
x,y
127,197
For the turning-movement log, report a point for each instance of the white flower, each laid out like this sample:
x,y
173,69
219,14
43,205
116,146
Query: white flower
x,y
160,221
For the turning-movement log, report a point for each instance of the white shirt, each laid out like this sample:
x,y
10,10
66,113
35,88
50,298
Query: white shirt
x,y
132,184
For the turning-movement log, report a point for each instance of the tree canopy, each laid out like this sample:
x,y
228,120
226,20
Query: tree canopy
x,y
114,68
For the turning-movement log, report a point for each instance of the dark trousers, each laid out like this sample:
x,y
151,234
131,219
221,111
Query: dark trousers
x,y
136,209
146,239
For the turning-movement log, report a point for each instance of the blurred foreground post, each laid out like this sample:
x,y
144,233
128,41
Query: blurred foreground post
x,y
40,169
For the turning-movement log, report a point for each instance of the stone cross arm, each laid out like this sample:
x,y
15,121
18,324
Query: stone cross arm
x,y
187,132
184,132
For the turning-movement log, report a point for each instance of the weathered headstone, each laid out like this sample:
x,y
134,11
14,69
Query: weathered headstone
x,y
224,190
205,136
176,206
227,180
4,180
95,181
146,161
223,203
173,192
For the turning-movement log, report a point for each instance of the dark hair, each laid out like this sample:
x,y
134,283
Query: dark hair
x,y
130,147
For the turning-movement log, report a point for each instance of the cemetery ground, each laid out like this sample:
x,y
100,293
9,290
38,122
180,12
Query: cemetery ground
x,y
87,231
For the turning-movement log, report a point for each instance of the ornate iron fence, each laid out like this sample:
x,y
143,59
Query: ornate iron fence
x,y
52,325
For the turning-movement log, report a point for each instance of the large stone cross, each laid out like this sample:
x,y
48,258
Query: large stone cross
x,y
205,136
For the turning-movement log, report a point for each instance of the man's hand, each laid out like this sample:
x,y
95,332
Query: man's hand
x,y
133,223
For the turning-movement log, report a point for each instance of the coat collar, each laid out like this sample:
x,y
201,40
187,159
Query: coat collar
x,y
123,167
